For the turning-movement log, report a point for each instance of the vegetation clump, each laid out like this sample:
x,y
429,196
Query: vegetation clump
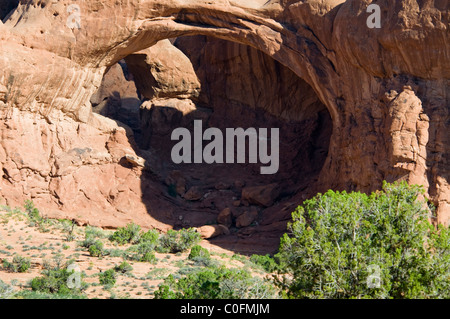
x,y
353,245
59,279
18,264
125,235
108,278
198,251
178,241
216,283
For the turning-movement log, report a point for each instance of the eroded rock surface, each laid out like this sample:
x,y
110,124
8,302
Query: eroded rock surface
x,y
381,93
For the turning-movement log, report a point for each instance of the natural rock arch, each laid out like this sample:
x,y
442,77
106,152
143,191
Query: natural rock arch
x,y
101,42
390,113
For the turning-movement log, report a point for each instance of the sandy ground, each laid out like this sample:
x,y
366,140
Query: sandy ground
x,y
18,236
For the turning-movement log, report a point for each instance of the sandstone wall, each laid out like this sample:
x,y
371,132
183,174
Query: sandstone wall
x,y
385,89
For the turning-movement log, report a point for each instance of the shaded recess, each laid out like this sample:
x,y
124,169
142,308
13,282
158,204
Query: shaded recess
x,y
6,6
239,87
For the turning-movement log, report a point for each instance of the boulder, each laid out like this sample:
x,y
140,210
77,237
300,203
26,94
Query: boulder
x,y
193,194
329,71
221,186
211,231
225,217
163,71
246,218
264,195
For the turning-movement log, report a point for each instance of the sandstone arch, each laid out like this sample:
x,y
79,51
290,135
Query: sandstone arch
x,y
102,42
390,112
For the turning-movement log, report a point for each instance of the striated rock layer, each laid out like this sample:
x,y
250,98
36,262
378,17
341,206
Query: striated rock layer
x,y
386,91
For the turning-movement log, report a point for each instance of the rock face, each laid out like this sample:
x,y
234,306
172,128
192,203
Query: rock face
x,y
382,94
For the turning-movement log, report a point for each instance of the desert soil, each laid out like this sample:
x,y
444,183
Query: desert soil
x,y
19,236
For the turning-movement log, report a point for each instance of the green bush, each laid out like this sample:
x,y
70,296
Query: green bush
x,y
32,212
108,278
30,294
199,251
113,252
215,283
125,235
96,249
124,268
267,262
87,242
149,257
68,228
144,252
151,237
94,232
55,281
18,264
351,245
178,241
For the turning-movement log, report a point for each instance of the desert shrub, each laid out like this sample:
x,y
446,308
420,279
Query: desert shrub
x,y
30,294
125,235
215,283
68,227
32,212
178,241
56,263
96,249
18,264
205,262
6,291
94,232
123,268
150,237
34,217
87,242
108,277
56,281
142,252
267,262
149,257
353,245
199,251
113,252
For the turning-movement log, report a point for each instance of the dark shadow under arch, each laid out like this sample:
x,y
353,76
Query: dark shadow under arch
x,y
288,103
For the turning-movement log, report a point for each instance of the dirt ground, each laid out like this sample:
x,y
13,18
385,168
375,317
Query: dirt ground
x,y
49,243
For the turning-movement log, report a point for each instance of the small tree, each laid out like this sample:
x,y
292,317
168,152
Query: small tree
x,y
108,278
96,249
178,241
125,235
199,251
351,245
